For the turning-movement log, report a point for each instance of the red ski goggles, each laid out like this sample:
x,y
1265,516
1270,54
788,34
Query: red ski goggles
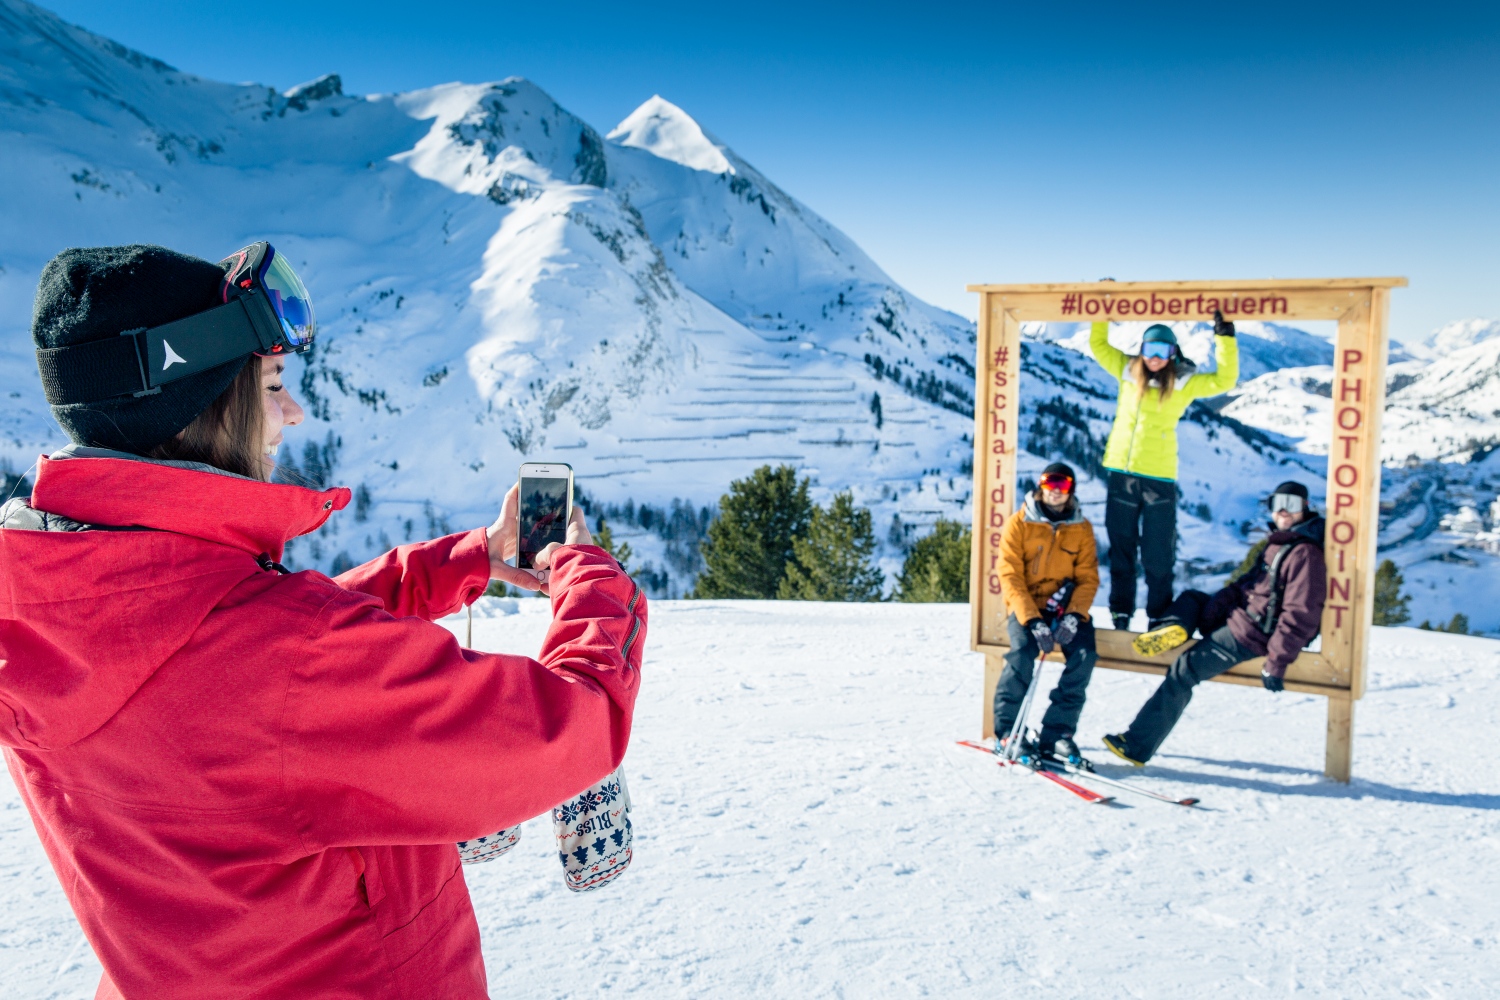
x,y
266,311
1057,481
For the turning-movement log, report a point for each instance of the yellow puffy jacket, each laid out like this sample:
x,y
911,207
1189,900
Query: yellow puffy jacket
x,y
1037,556
1143,441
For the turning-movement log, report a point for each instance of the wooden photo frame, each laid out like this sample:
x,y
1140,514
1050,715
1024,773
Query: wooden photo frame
x,y
1361,308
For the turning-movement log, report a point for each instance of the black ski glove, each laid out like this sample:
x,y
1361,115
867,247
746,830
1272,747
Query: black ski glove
x,y
1272,682
1222,326
1067,629
1041,633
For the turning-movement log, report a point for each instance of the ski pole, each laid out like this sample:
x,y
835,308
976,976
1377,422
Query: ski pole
x,y
1018,728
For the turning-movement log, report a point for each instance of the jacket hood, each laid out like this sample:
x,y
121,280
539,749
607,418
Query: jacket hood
x,y
1032,510
88,614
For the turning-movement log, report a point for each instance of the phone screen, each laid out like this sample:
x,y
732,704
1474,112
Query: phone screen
x,y
543,516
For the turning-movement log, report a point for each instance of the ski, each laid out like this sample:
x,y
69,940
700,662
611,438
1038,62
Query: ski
x,y
1087,794
1127,786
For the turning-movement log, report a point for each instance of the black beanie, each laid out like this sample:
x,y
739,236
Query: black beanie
x,y
1060,469
91,293
1291,488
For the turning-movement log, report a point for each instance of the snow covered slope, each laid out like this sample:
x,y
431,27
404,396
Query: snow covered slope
x,y
805,828
497,281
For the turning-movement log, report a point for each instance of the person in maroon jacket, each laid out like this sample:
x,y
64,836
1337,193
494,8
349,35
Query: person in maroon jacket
x,y
250,781
1273,610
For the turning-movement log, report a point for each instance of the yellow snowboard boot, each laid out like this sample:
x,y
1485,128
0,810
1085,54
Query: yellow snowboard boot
x,y
1160,640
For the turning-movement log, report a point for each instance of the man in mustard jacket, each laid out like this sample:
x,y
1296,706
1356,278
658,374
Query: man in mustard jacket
x,y
1156,387
1049,574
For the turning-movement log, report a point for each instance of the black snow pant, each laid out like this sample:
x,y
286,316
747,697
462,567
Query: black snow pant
x,y
1141,513
1213,656
1067,698
1193,609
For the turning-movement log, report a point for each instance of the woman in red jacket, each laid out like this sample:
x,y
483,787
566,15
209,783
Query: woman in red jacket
x,y
249,781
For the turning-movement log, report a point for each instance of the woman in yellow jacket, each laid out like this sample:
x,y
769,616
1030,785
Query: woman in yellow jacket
x,y
1156,387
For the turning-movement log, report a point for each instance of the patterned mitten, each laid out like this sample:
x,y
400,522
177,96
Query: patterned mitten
x,y
593,833
472,852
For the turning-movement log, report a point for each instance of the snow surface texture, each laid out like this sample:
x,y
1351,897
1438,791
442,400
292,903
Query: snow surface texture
x,y
806,828
497,282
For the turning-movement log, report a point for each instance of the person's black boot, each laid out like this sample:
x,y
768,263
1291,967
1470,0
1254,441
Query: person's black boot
x,y
1121,621
1065,751
1115,743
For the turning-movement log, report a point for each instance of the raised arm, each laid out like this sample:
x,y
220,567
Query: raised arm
x,y
1110,357
392,734
1227,352
1227,370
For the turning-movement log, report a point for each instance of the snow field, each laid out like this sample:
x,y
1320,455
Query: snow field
x,y
805,827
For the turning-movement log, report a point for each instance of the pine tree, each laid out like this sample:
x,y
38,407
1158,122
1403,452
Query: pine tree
x,y
937,567
605,539
747,548
832,562
1390,603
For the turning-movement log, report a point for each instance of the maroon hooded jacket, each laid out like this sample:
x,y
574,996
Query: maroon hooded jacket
x,y
1304,586
250,784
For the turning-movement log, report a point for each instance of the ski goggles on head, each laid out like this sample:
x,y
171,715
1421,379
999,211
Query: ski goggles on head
x,y
1157,349
266,311
1057,481
1289,502
259,268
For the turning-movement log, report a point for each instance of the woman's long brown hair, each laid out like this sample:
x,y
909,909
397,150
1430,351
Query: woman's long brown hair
x,y
1168,377
229,434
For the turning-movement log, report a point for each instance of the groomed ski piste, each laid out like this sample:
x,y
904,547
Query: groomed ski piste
x,y
806,826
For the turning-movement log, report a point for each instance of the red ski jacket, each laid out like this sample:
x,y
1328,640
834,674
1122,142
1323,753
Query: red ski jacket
x,y
250,784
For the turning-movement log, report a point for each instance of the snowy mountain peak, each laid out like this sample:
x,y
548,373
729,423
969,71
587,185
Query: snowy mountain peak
x,y
1454,336
661,127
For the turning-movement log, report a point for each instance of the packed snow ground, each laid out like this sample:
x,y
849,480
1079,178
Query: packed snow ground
x,y
805,827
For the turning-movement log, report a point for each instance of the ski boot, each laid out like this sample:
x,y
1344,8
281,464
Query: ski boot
x,y
1121,621
1027,754
1116,745
1165,635
1065,752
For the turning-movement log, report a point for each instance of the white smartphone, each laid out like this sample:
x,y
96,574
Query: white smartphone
x,y
546,504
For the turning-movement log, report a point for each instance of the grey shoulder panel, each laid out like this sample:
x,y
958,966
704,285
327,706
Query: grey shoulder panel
x,y
19,515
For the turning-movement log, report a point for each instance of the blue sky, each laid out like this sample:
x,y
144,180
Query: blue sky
x,y
965,143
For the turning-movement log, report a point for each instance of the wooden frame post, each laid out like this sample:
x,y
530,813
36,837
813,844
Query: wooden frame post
x,y
1360,306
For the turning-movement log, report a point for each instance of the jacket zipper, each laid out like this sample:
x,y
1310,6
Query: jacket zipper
x,y
635,623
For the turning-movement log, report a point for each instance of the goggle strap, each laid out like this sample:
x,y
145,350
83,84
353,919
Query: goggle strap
x,y
138,361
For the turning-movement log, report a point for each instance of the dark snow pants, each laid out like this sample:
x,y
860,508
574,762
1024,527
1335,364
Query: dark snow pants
x,y
1193,609
1067,698
1209,658
1141,514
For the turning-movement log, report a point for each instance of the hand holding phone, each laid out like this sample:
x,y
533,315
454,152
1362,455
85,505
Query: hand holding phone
x,y
528,529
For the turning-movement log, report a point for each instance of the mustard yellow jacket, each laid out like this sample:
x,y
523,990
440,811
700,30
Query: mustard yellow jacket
x,y
1037,556
1143,441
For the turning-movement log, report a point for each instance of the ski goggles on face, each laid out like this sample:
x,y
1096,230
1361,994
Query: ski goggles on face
x,y
1157,349
1057,481
1289,502
266,311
